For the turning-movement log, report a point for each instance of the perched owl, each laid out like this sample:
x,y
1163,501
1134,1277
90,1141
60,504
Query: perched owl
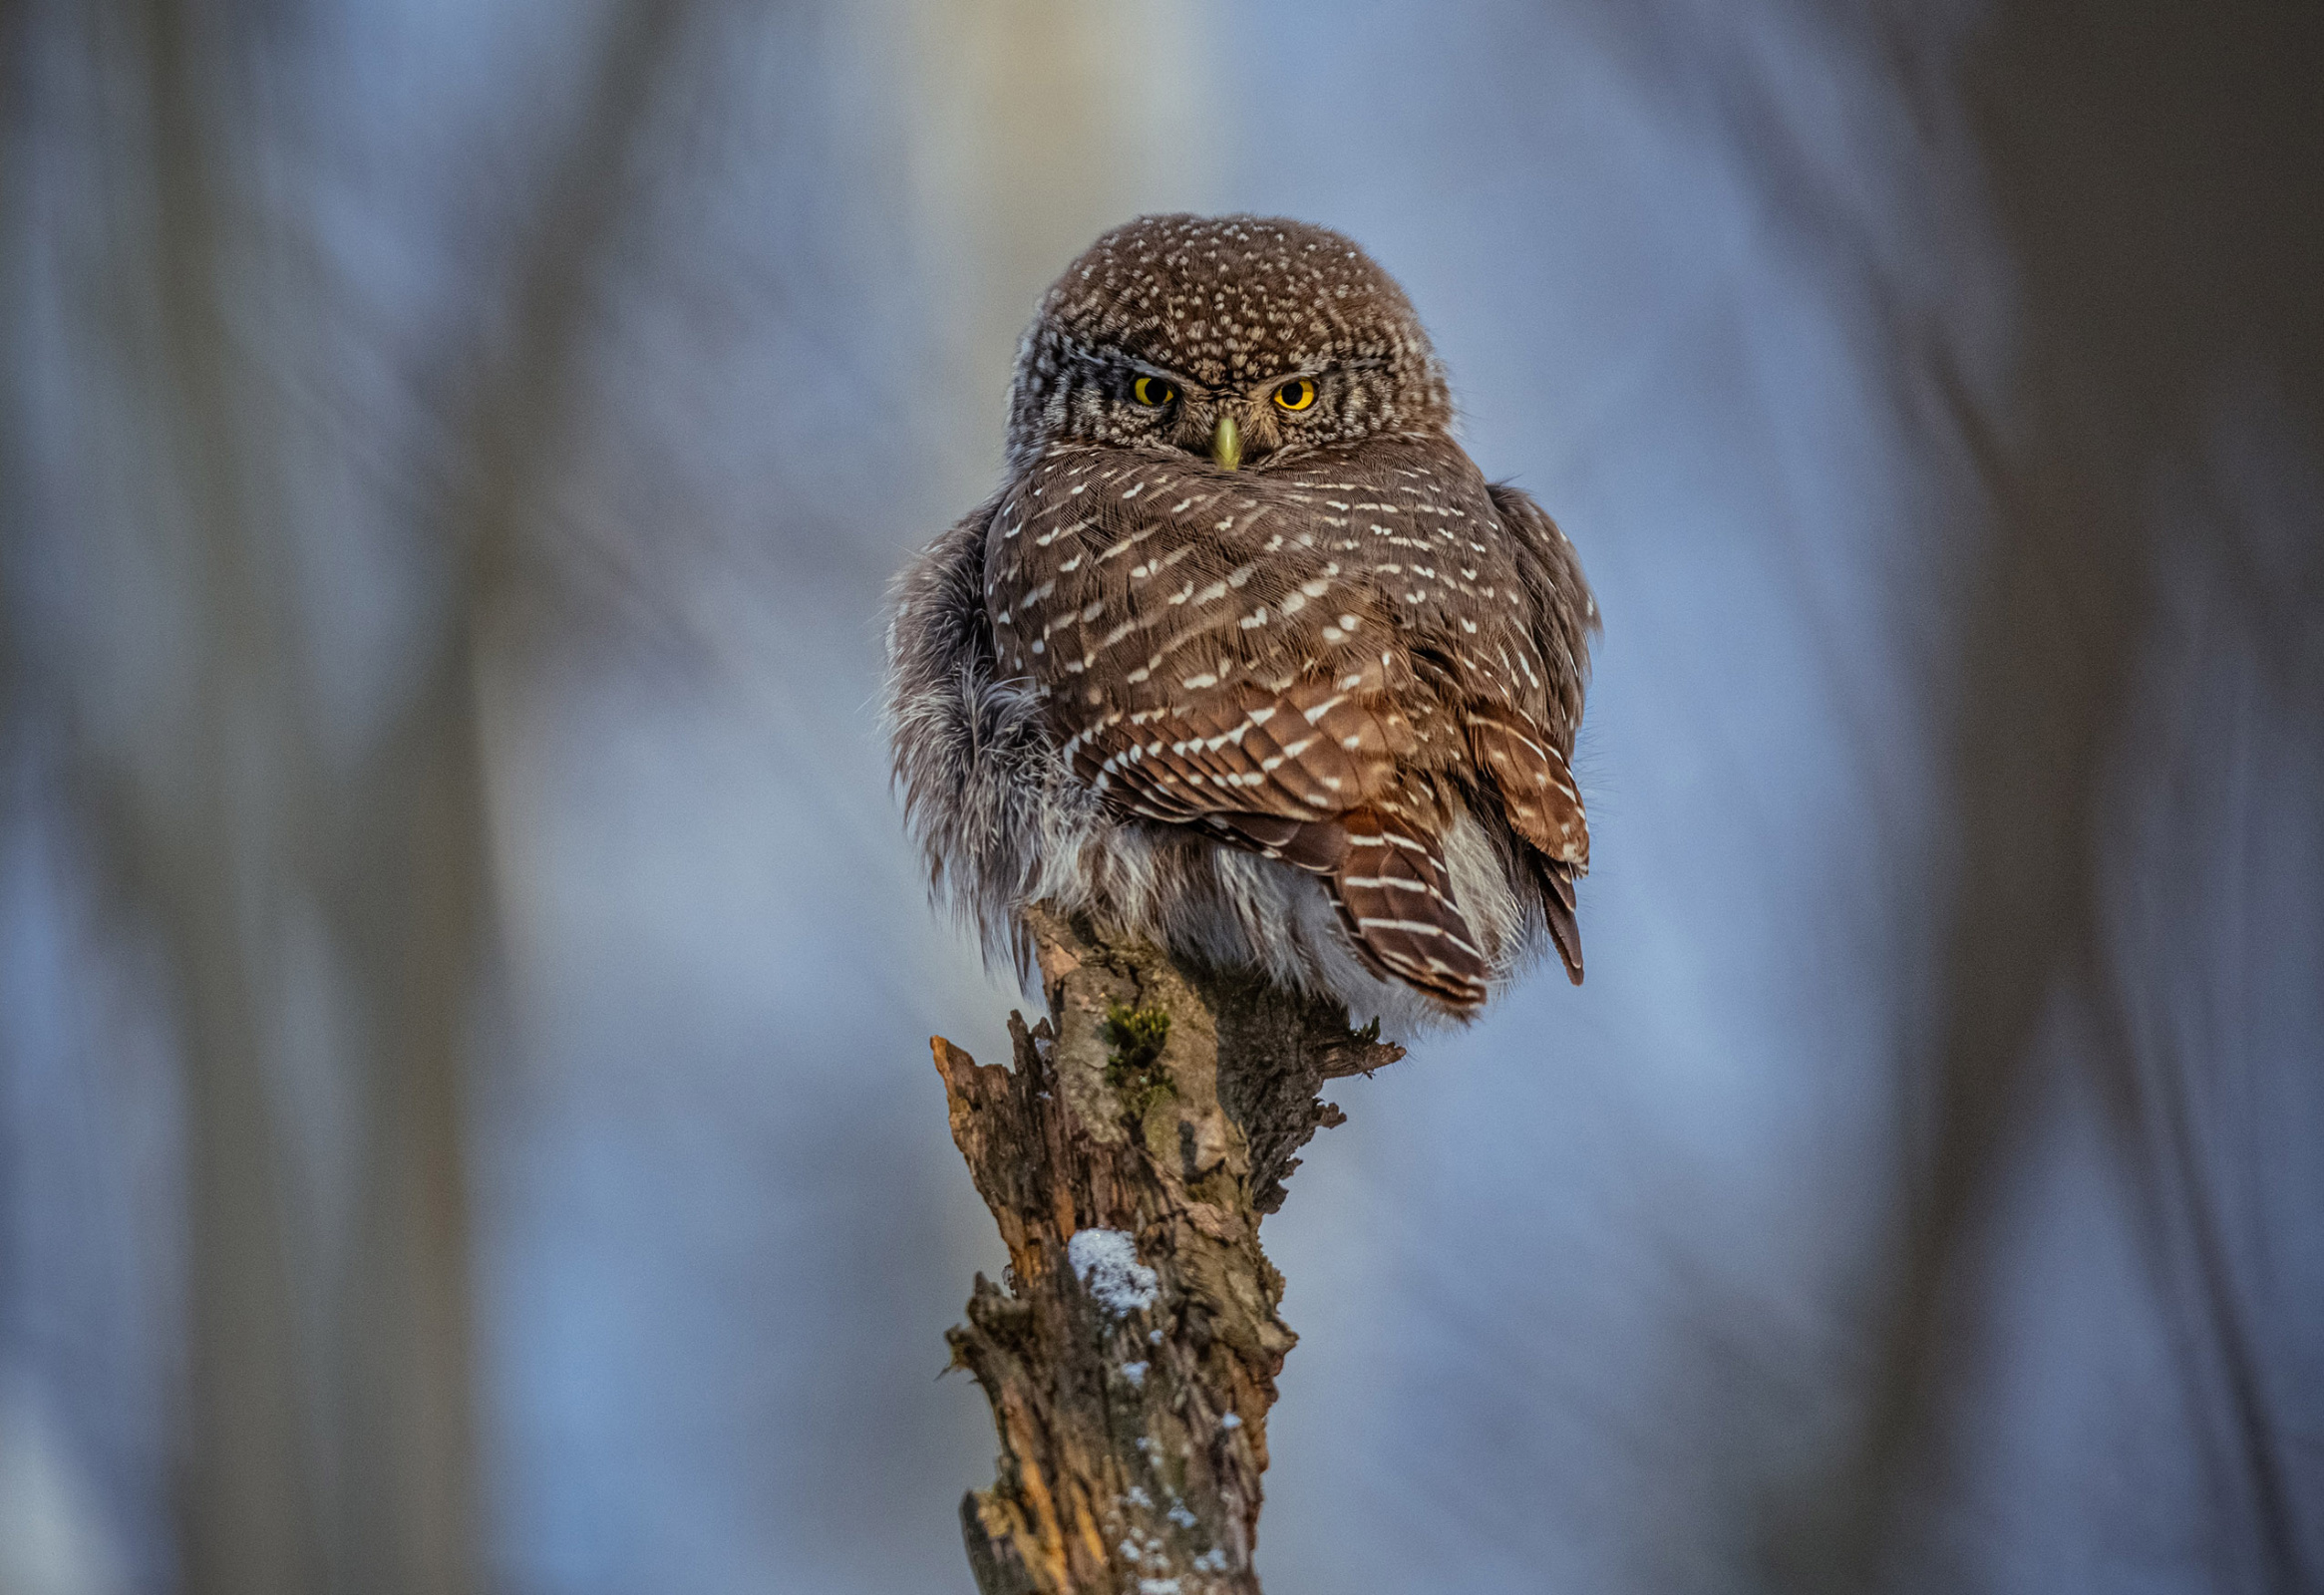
x,y
1247,657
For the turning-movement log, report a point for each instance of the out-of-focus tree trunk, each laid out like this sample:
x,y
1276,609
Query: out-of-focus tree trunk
x,y
319,888
328,1438
1037,125
2142,168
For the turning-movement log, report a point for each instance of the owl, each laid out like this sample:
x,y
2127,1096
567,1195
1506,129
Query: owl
x,y
1247,657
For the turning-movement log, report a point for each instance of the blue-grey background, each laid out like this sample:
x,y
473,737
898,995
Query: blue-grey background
x,y
464,1112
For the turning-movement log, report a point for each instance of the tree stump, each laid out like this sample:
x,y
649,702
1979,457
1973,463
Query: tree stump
x,y
1149,1122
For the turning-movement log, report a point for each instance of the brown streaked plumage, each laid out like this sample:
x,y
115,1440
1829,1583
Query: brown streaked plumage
x,y
1169,692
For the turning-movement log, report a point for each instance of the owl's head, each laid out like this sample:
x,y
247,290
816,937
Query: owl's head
x,y
1243,339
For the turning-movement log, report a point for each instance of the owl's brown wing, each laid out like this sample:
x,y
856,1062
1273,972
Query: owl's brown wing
x,y
1544,810
1524,739
1302,753
1562,615
1209,662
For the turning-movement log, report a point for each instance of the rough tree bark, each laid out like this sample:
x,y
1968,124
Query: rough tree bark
x,y
1149,1121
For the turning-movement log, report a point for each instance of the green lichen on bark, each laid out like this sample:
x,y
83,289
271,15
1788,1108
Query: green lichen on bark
x,y
1134,1039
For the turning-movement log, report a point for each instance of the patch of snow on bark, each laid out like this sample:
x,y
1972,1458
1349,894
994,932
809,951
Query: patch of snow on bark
x,y
1105,1262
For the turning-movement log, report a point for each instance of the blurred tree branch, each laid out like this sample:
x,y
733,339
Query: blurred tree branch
x,y
1128,1157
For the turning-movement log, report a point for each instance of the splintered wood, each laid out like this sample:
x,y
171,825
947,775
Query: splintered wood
x,y
1132,1361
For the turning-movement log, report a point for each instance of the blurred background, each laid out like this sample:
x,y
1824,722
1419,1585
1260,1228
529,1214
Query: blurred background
x,y
465,1119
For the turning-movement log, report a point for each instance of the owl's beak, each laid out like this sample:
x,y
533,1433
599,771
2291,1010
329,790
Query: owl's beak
x,y
1226,444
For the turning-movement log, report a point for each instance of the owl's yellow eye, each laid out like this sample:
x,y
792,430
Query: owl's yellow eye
x,y
1295,394
1153,392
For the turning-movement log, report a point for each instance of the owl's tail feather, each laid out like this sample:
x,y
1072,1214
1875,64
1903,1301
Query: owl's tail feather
x,y
1396,900
1312,844
1387,877
1557,906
